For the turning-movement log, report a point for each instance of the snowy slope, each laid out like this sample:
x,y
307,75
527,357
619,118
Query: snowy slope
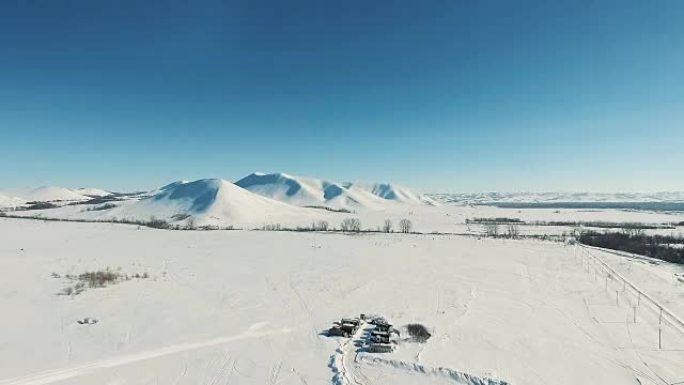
x,y
51,193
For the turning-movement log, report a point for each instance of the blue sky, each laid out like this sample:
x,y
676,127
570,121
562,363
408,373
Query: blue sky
x,y
583,95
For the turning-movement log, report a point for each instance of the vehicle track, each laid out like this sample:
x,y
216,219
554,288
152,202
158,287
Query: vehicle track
x,y
55,375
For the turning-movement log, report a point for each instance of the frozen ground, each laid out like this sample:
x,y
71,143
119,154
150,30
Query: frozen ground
x,y
247,307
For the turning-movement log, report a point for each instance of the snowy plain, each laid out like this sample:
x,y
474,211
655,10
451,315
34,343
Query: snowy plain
x,y
250,307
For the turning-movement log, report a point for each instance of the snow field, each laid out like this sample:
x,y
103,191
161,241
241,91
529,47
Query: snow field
x,y
246,307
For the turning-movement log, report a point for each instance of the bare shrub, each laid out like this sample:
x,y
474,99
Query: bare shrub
x,y
99,278
418,332
96,279
405,225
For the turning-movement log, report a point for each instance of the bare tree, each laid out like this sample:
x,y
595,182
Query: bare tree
x,y
322,226
513,231
405,225
632,231
190,224
492,229
351,224
387,226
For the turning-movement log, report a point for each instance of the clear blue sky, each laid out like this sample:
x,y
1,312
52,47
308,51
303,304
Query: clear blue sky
x,y
455,95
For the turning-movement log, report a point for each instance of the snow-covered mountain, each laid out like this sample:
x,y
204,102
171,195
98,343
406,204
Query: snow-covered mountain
x,y
51,193
211,201
306,191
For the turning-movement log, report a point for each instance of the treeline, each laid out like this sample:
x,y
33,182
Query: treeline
x,y
665,248
331,209
596,224
348,225
498,221
153,222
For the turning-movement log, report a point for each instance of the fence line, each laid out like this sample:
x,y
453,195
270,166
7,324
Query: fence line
x,y
663,313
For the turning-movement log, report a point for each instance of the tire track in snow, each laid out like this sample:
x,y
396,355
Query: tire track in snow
x,y
51,376
341,363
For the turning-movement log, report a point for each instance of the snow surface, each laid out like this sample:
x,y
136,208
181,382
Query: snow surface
x,y
249,307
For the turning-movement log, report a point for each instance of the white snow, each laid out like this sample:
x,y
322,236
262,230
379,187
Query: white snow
x,y
248,307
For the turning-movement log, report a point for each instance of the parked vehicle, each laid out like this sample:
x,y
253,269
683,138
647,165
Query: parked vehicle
x,y
380,348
